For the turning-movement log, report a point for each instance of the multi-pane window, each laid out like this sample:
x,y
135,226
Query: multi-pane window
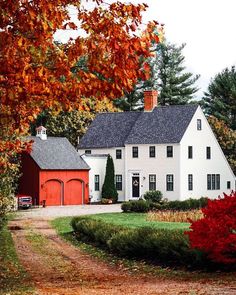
x,y
169,151
152,151
169,182
190,182
135,152
199,124
190,152
88,152
118,154
208,152
96,182
118,181
209,181
228,185
217,181
152,182
213,181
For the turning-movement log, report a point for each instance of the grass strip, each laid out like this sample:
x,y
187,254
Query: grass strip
x,y
13,278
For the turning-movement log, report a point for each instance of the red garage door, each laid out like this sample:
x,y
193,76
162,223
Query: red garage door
x,y
73,192
53,192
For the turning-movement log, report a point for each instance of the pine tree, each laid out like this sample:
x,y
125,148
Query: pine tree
x,y
108,189
174,84
220,98
167,75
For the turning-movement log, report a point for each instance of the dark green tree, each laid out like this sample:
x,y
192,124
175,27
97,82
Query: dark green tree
x,y
108,189
167,75
220,98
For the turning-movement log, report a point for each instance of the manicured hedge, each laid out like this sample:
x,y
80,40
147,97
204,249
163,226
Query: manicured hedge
x,y
162,245
145,206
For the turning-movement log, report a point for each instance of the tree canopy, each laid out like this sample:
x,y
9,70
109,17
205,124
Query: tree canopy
x,y
167,75
220,98
72,124
36,72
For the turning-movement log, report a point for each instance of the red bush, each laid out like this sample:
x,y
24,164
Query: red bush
x,y
215,233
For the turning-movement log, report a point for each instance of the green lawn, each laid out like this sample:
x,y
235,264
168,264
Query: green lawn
x,y
132,220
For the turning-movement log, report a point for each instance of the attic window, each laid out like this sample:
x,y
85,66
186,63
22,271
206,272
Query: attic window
x,y
199,124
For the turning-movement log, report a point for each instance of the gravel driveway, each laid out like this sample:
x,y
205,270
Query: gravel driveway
x,y
59,211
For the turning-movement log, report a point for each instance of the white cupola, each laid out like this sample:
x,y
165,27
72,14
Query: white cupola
x,y
41,132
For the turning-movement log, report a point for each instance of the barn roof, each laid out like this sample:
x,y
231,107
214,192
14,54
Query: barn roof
x,y
166,124
56,153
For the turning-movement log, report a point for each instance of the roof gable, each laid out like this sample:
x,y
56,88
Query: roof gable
x,y
56,153
165,124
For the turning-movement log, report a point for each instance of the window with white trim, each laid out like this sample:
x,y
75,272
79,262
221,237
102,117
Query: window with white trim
x,y
190,182
152,182
169,151
118,181
152,151
119,154
213,181
169,182
96,183
190,152
199,124
135,151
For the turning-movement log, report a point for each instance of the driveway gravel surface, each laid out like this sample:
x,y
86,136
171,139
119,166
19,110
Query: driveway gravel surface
x,y
60,211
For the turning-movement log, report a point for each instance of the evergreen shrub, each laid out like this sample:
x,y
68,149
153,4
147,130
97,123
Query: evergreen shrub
x,y
153,196
108,189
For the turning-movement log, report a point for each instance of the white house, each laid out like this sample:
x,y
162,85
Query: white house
x,y
166,148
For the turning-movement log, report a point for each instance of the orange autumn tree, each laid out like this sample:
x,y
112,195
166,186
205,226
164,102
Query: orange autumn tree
x,y
36,73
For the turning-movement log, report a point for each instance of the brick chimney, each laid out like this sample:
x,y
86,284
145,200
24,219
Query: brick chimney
x,y
150,100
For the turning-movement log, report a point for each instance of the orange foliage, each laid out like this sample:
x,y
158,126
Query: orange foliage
x,y
35,73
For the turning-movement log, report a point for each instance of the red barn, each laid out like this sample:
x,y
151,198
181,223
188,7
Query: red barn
x,y
54,172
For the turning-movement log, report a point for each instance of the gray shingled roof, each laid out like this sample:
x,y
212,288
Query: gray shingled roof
x,y
165,124
56,153
109,130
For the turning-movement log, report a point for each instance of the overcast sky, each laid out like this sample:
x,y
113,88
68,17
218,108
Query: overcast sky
x,y
208,27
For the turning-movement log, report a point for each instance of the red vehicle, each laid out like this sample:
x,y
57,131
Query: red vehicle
x,y
24,201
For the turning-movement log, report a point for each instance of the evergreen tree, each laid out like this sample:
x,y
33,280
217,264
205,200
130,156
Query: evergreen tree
x,y
108,189
167,75
220,98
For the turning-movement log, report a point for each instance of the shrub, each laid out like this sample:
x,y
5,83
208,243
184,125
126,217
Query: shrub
x,y
163,245
139,206
153,196
126,207
189,204
93,230
215,233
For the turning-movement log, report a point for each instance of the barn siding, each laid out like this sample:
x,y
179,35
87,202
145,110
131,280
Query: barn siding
x,y
29,180
69,188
